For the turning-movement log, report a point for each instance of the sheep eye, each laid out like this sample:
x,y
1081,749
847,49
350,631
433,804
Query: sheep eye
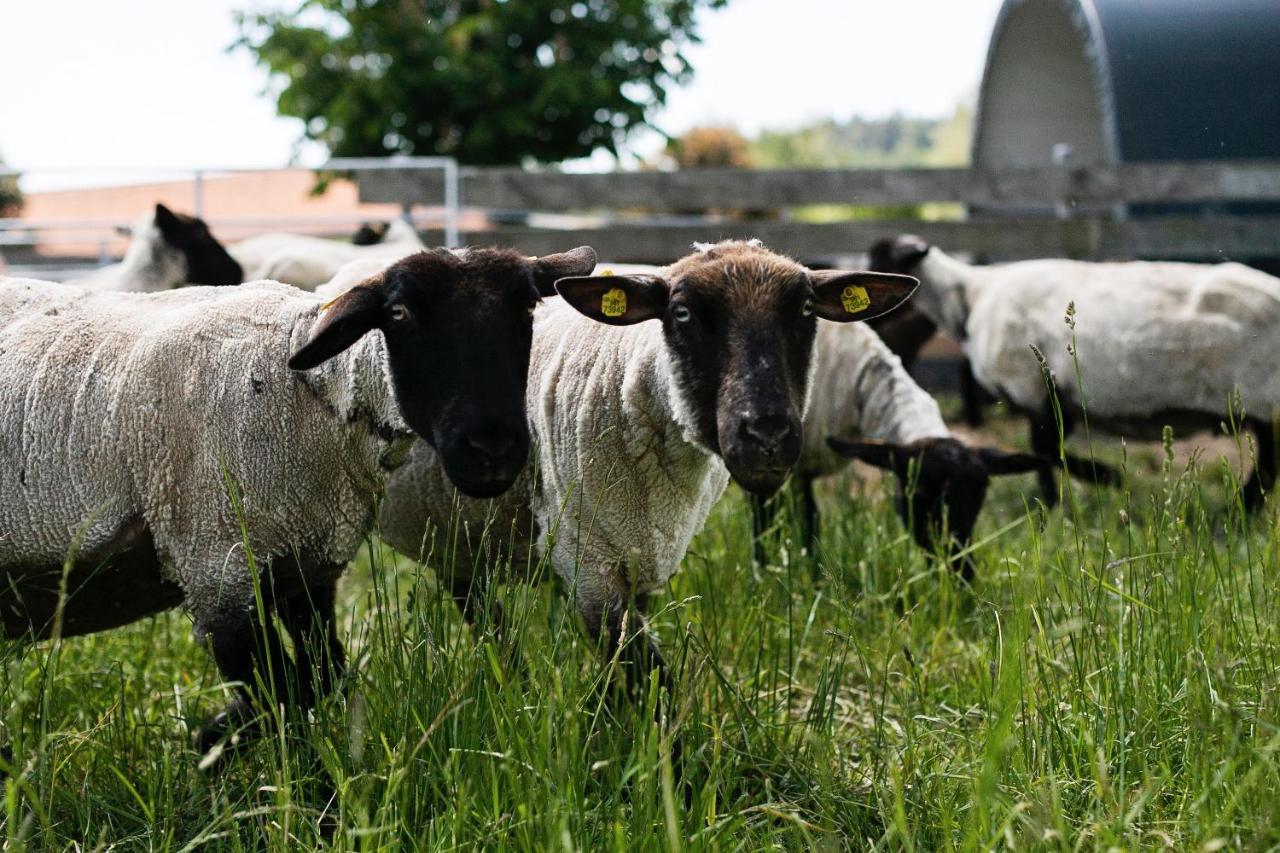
x,y
806,310
399,312
681,314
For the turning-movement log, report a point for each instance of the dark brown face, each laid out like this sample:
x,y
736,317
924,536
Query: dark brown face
x,y
458,330
942,484
739,323
207,261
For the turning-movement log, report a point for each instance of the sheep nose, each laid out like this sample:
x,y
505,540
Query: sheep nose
x,y
768,431
491,445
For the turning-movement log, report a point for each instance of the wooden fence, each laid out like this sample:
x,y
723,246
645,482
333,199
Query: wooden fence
x,y
1075,212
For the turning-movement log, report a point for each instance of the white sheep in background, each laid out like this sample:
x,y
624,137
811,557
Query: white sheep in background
x,y
139,432
167,250
861,388
308,262
638,425
1157,343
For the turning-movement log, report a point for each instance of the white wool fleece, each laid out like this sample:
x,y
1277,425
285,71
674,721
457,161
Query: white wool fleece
x,y
859,388
116,407
308,262
1151,337
618,485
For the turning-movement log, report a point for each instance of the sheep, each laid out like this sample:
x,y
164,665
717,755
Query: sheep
x,y
168,250
308,262
1156,343
138,432
860,387
700,373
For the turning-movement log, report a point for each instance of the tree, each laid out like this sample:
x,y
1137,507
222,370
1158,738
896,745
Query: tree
x,y
710,146
10,194
486,81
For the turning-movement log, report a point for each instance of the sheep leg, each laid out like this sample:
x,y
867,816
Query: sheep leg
x,y
764,515
1264,471
247,649
810,509
320,659
1044,441
971,394
626,631
468,595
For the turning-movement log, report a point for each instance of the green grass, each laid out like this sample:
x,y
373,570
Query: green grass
x,y
1103,684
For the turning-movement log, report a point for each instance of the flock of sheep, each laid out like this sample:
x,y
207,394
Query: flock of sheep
x,y
216,447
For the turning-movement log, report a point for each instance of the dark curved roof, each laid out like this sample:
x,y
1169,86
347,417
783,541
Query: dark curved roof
x,y
1131,80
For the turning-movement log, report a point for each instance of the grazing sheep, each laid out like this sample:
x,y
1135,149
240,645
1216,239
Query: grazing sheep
x,y
308,262
860,387
168,250
139,432
1157,343
639,425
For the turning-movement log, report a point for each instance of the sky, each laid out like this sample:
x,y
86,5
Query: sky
x,y
150,83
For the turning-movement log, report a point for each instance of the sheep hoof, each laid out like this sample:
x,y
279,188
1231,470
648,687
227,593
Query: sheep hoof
x,y
225,734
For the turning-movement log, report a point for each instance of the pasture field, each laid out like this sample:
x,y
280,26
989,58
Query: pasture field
x,y
1109,680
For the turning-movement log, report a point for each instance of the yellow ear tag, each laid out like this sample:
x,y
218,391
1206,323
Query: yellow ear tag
x,y
855,299
614,302
606,272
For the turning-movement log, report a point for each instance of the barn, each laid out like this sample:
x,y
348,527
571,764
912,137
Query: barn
x,y
1105,82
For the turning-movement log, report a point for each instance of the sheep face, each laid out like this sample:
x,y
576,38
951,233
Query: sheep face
x,y
207,261
738,323
370,233
941,486
458,330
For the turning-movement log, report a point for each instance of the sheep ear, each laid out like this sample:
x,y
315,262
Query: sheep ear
x,y
346,320
549,269
842,296
881,454
619,300
1003,462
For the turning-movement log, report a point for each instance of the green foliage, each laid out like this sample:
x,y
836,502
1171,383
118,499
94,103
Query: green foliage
x,y
486,81
894,142
10,195
1110,681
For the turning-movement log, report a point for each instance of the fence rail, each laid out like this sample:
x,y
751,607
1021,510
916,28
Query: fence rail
x,y
698,189
1050,211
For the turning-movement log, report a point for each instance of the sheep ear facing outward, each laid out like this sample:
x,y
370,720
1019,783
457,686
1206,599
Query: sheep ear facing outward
x,y
345,320
842,297
618,300
881,454
548,269
1003,462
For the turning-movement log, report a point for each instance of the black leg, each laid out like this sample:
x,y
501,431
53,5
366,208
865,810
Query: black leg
x,y
626,633
810,510
468,595
971,395
247,649
1264,472
1044,441
310,620
764,514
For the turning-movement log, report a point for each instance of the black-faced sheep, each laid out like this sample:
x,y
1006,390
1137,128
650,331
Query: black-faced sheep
x,y
646,394
164,446
1156,344
167,250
